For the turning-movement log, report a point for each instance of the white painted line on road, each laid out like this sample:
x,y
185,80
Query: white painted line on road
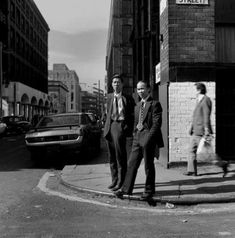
x,y
177,211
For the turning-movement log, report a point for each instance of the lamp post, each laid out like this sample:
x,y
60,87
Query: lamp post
x,y
99,96
98,104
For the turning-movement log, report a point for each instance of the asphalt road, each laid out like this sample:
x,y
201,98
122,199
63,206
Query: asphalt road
x,y
34,205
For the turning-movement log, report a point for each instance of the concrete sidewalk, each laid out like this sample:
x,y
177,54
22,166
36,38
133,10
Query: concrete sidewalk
x,y
171,185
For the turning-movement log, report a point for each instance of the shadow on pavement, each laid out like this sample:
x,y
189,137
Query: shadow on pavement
x,y
196,186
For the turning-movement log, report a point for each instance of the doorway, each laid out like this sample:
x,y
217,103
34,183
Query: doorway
x,y
225,113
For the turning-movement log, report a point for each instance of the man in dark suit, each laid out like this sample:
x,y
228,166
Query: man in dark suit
x,y
118,126
147,135
201,127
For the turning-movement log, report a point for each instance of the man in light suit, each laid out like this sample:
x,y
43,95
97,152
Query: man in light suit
x,y
201,127
118,126
147,135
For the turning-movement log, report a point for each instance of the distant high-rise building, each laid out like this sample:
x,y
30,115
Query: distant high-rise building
x,y
61,72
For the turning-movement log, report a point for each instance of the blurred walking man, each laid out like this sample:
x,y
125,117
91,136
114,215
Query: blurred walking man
x,y
201,127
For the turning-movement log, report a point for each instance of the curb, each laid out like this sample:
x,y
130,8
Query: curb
x,y
175,201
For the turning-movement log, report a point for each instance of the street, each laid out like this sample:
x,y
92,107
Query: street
x,y
35,205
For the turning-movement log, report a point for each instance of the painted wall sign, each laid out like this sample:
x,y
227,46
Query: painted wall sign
x,y
190,2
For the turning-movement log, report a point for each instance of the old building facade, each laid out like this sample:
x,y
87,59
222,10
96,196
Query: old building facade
x,y
24,35
58,92
62,73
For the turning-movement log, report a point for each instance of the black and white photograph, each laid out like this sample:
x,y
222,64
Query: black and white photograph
x,y
117,118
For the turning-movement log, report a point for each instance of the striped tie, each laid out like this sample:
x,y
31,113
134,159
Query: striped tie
x,y
140,125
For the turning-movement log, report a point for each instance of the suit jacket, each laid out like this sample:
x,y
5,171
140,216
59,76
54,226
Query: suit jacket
x,y
128,111
152,120
201,117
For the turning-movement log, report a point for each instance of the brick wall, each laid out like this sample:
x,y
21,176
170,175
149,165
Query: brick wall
x,y
191,32
181,106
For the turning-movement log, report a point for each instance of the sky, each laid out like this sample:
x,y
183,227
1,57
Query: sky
x,y
78,35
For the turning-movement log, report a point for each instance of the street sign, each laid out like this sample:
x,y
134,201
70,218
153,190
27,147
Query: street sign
x,y
193,2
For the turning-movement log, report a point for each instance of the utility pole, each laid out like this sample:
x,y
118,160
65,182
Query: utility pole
x,y
0,79
99,96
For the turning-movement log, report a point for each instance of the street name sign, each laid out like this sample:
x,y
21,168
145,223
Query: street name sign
x,y
191,2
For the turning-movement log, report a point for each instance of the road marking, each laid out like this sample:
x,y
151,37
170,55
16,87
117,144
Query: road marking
x,y
177,211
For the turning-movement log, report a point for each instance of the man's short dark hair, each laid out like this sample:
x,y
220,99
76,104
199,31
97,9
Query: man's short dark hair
x,y
119,76
147,84
201,87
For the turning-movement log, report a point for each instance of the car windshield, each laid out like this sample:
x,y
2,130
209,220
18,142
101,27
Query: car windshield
x,y
63,120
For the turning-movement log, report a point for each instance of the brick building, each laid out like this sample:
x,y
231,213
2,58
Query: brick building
x,y
24,35
176,43
196,45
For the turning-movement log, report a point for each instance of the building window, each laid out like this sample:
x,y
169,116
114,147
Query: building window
x,y
127,64
71,106
72,96
18,17
12,11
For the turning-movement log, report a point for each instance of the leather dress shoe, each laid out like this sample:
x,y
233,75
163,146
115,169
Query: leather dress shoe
x,y
116,188
119,194
190,174
146,196
112,185
225,168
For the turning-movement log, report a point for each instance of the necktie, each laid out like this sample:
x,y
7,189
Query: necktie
x,y
140,125
115,108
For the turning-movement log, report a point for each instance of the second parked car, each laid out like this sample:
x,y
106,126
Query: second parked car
x,y
16,124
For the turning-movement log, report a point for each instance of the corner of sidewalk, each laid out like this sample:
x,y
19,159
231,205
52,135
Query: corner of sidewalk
x,y
171,185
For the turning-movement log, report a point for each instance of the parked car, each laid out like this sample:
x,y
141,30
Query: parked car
x,y
16,124
3,128
74,132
